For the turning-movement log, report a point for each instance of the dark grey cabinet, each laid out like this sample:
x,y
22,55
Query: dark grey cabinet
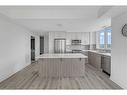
x,y
86,54
106,64
61,67
94,59
100,61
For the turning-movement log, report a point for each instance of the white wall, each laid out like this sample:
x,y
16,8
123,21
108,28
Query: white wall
x,y
84,36
14,48
100,24
119,51
92,37
46,43
37,45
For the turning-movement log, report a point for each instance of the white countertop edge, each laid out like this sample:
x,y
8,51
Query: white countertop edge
x,y
94,51
106,54
68,55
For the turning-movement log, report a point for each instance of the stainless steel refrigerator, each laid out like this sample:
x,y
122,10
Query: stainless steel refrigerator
x,y
59,45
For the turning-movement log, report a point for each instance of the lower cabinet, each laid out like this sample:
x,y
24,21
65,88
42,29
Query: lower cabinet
x,y
61,67
106,64
49,67
99,61
94,59
86,54
72,67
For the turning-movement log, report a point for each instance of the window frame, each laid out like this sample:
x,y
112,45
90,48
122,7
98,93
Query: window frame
x,y
98,45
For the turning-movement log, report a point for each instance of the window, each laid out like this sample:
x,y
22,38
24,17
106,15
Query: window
x,y
109,38
103,38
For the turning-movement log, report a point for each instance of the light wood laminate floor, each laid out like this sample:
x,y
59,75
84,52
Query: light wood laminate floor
x,y
28,78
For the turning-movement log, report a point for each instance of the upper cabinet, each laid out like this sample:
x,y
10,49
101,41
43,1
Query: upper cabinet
x,y
69,36
83,36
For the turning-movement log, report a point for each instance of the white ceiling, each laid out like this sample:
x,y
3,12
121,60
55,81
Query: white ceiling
x,y
51,12
55,18
69,25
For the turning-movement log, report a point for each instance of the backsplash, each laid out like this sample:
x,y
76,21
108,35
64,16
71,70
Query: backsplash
x,y
81,47
92,46
86,47
77,47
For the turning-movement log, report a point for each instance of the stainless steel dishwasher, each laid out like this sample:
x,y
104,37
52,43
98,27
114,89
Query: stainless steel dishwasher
x,y
106,64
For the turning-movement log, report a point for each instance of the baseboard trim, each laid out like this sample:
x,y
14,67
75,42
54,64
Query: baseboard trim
x,y
119,83
8,76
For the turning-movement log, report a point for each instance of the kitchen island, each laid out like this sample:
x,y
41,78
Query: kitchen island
x,y
61,65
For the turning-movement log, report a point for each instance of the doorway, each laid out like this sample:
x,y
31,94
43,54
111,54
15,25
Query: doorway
x,y
41,45
32,49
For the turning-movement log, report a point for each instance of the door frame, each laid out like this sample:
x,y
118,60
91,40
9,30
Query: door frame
x,y
40,45
32,38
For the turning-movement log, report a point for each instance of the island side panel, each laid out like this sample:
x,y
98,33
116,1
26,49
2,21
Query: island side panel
x,y
49,67
73,67
61,67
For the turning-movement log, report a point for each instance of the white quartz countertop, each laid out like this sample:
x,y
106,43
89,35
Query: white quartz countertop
x,y
68,55
95,51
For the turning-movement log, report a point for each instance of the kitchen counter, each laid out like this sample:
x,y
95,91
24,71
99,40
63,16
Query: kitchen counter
x,y
99,59
68,55
61,65
101,53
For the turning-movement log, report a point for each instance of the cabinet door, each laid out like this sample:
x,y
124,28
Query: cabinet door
x,y
102,63
72,67
66,67
89,57
106,64
94,59
78,67
49,67
54,67
97,61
